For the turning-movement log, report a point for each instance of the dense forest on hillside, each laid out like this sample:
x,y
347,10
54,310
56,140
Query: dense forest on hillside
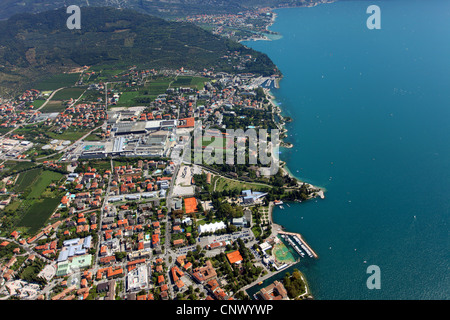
x,y
162,8
33,45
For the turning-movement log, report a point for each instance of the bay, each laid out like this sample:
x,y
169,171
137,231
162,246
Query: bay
x,y
371,112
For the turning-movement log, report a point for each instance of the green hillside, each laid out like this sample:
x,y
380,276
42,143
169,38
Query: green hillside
x,y
33,46
162,8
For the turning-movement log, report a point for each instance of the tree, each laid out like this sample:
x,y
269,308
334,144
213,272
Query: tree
x,y
260,95
294,284
120,255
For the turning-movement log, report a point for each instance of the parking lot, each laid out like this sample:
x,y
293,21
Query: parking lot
x,y
205,240
183,185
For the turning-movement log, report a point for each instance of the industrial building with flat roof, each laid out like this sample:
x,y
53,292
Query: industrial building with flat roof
x,y
137,279
74,247
142,127
76,263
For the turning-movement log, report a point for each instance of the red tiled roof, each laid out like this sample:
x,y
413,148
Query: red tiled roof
x,y
189,122
190,205
234,256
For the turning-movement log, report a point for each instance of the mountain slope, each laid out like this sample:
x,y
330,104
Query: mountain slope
x,y
162,8
32,45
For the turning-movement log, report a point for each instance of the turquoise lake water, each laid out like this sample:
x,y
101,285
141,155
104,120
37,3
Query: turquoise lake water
x,y
371,112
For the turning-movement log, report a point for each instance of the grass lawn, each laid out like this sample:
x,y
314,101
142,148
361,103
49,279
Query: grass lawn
x,y
117,163
228,184
14,166
126,98
214,142
26,179
13,206
57,103
54,157
57,81
256,231
199,82
28,272
158,87
187,81
53,106
36,215
67,93
182,82
149,92
100,165
31,132
40,202
90,95
38,103
110,72
202,221
93,137
4,130
43,181
69,134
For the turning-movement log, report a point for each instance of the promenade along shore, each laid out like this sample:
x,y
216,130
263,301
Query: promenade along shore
x,y
291,239
277,112
288,240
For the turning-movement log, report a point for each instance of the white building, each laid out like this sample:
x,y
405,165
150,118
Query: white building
x,y
137,279
265,246
211,227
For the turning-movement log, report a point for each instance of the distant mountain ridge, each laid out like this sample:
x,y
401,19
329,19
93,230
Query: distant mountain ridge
x,y
33,45
161,8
